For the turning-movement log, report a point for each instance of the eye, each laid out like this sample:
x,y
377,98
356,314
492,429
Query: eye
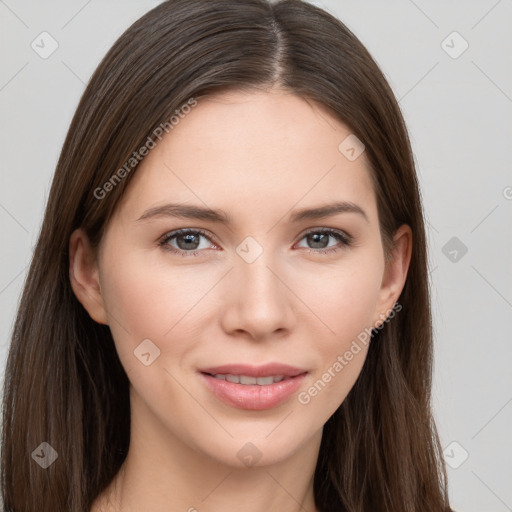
x,y
319,238
188,241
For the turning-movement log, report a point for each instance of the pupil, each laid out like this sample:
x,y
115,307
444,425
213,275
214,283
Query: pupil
x,y
315,239
189,238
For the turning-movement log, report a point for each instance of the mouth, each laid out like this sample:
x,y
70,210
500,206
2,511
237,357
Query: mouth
x,y
253,388
248,380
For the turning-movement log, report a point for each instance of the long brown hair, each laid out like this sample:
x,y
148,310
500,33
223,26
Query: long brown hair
x,y
64,383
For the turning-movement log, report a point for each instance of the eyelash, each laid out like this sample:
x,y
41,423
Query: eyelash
x,y
345,239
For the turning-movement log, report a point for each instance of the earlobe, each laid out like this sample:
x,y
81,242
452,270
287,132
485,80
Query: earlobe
x,y
395,273
84,276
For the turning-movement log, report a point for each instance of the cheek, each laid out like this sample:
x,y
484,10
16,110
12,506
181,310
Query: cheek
x,y
149,298
347,307
144,301
345,297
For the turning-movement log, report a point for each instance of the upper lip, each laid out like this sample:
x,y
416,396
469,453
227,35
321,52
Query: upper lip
x,y
265,370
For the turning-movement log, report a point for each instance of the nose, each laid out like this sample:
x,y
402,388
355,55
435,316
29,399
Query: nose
x,y
257,299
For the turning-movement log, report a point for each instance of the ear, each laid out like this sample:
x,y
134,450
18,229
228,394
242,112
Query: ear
x,y
395,273
84,276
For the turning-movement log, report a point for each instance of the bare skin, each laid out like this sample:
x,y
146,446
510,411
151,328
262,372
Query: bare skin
x,y
259,157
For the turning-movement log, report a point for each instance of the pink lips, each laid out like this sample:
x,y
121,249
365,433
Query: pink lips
x,y
253,397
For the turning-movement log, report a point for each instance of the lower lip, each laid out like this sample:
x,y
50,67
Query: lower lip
x,y
253,397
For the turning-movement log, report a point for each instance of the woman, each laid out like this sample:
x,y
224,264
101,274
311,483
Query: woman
x,y
228,303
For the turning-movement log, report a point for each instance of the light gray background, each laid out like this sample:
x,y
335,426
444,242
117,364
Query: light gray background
x,y
458,112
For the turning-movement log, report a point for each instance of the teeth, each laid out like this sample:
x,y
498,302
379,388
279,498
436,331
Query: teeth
x,y
247,380
252,380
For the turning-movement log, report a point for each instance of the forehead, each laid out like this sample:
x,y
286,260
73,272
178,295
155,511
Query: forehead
x,y
251,150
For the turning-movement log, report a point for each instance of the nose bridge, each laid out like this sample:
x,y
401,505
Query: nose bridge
x,y
255,269
259,302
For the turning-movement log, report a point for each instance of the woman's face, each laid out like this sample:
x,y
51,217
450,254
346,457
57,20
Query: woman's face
x,y
271,283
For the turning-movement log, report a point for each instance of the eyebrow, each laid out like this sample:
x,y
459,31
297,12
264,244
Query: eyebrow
x,y
219,216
